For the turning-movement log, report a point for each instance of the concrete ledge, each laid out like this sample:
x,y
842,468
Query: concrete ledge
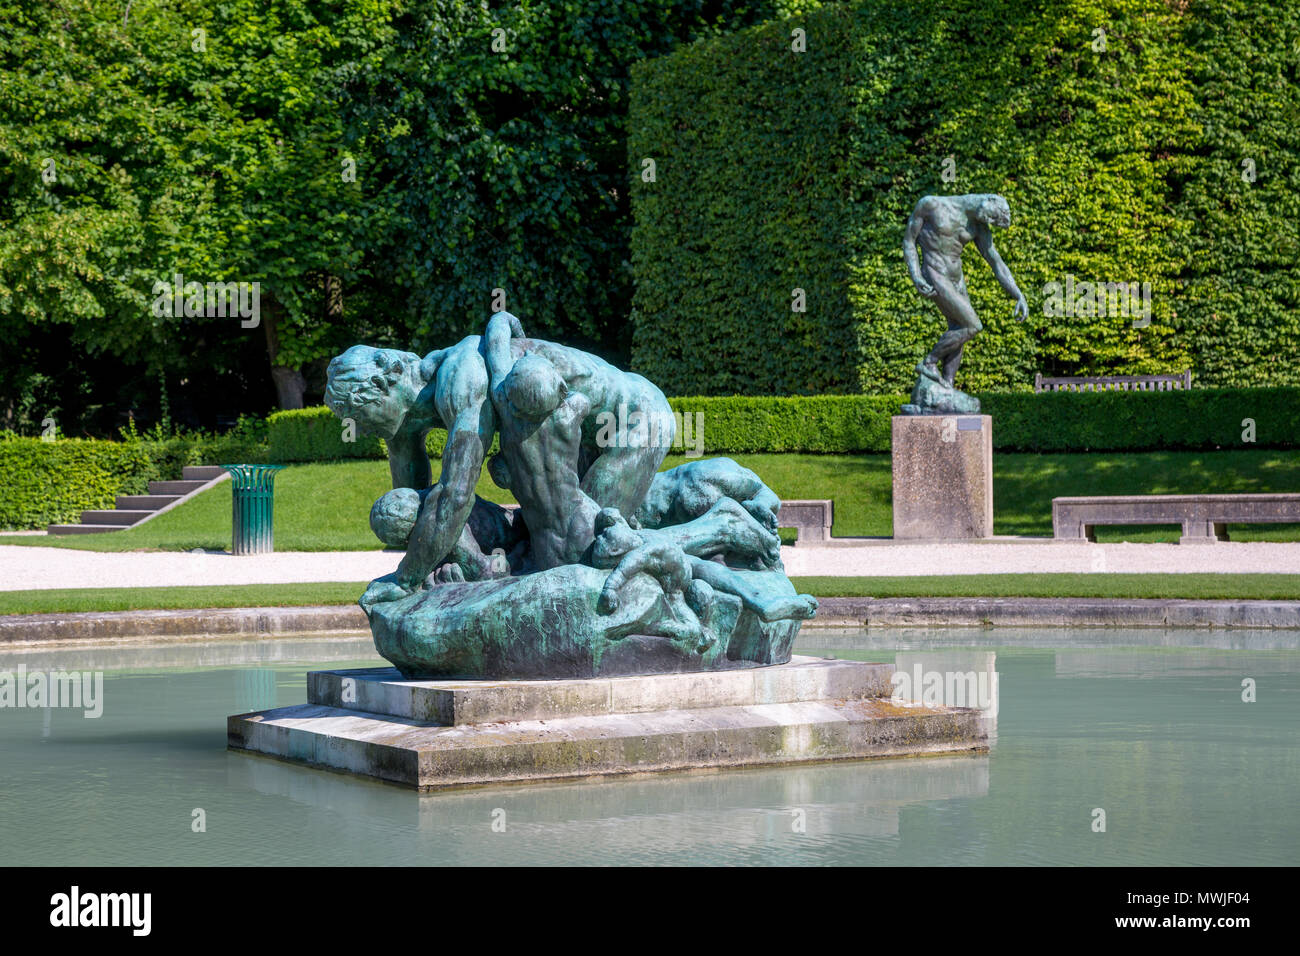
x,y
126,625
1054,612
265,622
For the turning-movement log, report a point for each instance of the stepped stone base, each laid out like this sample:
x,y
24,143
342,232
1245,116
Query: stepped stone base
x,y
435,734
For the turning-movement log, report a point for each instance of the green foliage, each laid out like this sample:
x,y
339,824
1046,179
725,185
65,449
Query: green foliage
x,y
1238,314
1135,421
499,136
315,434
822,423
142,141
1052,421
379,149
52,482
747,204
780,170
172,450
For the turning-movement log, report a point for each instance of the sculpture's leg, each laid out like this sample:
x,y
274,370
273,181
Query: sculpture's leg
x,y
727,528
770,607
624,601
764,506
581,529
963,325
655,556
690,490
621,475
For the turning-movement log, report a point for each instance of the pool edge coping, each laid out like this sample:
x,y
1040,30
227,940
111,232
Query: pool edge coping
x,y
986,612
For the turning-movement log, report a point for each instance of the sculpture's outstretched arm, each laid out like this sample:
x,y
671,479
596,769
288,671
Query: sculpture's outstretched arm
x,y
440,523
984,243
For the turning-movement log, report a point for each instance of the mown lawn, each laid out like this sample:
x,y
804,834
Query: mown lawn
x,y
323,507
1202,586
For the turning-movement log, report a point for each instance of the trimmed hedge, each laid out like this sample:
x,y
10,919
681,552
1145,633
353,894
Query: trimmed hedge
x,y
48,482
1201,418
779,170
1050,422
840,424
315,434
1240,307
52,482
819,423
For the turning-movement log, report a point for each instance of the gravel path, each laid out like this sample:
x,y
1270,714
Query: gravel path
x,y
1044,558
23,568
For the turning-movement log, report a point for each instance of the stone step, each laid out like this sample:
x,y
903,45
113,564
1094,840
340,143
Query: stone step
x,y
145,502
83,528
431,757
382,690
202,472
177,488
119,518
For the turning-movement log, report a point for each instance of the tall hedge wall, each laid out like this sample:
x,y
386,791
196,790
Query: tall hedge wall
x,y
778,170
1240,307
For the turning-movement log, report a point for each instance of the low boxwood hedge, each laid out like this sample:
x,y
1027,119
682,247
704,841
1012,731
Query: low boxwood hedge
x,y
840,424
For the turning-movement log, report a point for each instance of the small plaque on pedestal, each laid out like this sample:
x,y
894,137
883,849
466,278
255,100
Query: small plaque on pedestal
x,y
943,476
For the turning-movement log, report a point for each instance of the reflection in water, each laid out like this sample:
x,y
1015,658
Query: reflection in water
x,y
920,638
951,678
726,817
1139,662
254,690
1158,736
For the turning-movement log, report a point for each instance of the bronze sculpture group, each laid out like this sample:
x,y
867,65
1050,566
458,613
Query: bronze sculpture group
x,y
608,566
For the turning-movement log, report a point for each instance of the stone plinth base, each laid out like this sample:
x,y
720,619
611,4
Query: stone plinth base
x,y
943,476
434,734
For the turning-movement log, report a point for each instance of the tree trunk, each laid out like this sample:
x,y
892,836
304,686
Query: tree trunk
x,y
333,298
290,385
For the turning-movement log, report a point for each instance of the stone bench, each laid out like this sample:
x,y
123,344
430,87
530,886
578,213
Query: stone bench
x,y
1204,517
810,518
1111,383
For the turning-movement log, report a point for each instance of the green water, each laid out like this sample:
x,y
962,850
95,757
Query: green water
x,y
1156,735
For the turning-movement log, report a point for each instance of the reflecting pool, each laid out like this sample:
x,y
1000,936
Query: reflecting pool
x,y
1148,726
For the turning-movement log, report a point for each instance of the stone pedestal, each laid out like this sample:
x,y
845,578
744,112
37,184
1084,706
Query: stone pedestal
x,y
943,476
436,734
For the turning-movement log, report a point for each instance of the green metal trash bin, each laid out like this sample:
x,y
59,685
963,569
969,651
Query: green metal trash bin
x,y
253,496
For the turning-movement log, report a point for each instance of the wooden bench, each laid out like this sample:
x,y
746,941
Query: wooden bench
x,y
1204,517
810,518
1110,383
